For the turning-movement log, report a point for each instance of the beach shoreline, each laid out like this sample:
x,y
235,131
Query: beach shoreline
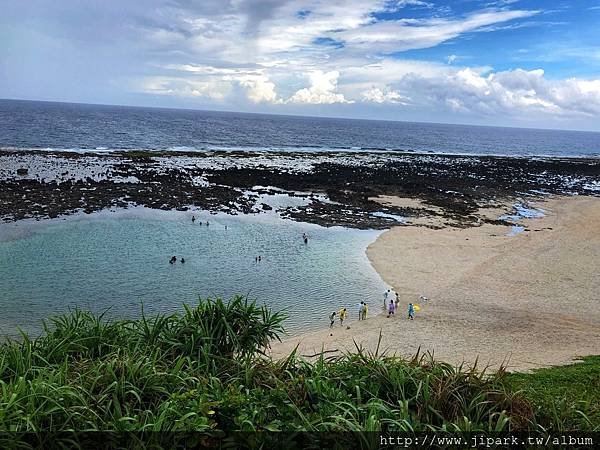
x,y
521,301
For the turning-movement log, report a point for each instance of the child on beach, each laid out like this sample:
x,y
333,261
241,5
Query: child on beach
x,y
411,311
360,310
391,308
342,314
332,319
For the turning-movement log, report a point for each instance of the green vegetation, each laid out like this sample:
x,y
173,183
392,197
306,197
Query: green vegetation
x,y
564,397
205,370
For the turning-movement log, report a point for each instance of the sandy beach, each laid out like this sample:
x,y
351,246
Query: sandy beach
x,y
526,301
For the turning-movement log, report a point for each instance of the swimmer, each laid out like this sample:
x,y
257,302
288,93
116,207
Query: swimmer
x,y
193,218
182,260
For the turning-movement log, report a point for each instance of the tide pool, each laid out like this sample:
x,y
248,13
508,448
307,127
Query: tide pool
x,y
117,260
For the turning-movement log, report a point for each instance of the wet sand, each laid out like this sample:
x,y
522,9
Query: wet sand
x,y
526,301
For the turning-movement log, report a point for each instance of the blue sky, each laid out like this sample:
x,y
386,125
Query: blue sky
x,y
506,62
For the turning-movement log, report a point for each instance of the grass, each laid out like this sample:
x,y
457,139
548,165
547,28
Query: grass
x,y
205,369
564,397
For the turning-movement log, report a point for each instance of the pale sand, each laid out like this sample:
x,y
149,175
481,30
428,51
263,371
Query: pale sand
x,y
531,300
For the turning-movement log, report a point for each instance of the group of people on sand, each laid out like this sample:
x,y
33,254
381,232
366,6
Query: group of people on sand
x,y
363,310
390,304
341,314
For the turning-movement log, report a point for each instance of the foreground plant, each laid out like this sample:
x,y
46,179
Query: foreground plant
x,y
206,370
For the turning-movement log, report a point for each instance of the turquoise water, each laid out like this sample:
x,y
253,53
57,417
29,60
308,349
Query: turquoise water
x,y
119,259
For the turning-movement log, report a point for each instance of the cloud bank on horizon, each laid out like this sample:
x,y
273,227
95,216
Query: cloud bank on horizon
x,y
503,62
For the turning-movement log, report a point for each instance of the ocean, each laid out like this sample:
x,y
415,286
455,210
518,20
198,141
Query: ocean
x,y
82,127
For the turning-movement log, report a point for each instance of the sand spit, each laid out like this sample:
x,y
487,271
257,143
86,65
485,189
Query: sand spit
x,y
528,300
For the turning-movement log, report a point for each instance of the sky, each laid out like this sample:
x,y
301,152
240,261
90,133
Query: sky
x,y
530,63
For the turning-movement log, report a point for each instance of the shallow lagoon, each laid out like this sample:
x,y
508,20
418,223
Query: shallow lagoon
x,y
120,259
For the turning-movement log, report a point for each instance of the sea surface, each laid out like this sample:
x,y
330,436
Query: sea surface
x,y
81,127
116,261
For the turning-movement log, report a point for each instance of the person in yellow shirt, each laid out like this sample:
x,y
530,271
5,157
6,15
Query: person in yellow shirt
x,y
342,315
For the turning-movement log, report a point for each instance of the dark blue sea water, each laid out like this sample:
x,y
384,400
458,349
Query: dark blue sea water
x,y
80,127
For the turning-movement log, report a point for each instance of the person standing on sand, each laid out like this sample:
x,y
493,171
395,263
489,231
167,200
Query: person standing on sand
x,y
386,294
365,311
411,311
360,310
332,319
392,308
397,300
342,315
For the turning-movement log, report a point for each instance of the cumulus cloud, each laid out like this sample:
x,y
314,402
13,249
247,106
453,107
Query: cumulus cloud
x,y
259,89
514,92
238,53
322,90
386,95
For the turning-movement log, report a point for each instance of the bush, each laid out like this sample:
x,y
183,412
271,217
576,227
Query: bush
x,y
206,370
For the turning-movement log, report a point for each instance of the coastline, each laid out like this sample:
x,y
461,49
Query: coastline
x,y
524,301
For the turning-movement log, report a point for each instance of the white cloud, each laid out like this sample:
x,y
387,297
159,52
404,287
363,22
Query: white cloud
x,y
213,88
404,3
341,48
410,34
322,90
386,95
259,88
515,92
